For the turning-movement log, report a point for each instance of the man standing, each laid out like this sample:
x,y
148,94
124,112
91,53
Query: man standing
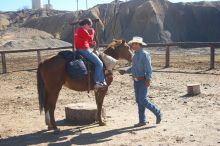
x,y
141,71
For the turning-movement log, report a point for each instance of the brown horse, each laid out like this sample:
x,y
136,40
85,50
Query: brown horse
x,y
52,75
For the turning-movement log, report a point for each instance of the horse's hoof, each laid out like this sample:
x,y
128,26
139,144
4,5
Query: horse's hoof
x,y
102,124
56,131
50,128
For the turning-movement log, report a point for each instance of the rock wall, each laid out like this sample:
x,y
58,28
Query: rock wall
x,y
193,21
154,20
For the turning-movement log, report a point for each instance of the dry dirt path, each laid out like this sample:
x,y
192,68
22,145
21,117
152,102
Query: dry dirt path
x,y
186,120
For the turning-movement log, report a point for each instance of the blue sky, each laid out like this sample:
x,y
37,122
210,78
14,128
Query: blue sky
x,y
71,5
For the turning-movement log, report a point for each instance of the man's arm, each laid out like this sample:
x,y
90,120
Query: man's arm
x,y
125,70
148,69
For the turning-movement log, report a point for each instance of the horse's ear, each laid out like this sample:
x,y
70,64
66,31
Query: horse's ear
x,y
123,41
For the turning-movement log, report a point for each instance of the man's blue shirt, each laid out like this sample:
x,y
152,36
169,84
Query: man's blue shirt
x,y
141,64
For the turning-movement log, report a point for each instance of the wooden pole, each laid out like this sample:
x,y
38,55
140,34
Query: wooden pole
x,y
96,35
212,57
73,43
167,63
4,68
38,56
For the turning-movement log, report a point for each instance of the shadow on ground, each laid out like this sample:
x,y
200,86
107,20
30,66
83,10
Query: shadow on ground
x,y
68,136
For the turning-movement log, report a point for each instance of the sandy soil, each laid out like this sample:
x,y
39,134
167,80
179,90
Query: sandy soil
x,y
187,120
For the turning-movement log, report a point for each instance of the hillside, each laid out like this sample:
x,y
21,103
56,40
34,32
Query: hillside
x,y
28,38
154,20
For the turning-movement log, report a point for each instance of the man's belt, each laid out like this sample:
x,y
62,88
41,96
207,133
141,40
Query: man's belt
x,y
139,78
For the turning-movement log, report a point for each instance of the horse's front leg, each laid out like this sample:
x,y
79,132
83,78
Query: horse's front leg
x,y
99,96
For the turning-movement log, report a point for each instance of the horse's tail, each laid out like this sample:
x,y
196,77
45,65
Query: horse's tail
x,y
41,89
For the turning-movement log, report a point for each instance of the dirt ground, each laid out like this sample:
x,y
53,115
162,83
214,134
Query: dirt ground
x,y
187,120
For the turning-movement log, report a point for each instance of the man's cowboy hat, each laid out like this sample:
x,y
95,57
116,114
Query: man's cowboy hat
x,y
137,39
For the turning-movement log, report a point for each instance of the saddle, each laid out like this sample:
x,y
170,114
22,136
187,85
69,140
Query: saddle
x,y
77,66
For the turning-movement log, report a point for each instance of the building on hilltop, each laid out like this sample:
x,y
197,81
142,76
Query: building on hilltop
x,y
36,4
48,7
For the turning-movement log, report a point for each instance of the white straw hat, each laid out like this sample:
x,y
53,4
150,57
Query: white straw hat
x,y
137,39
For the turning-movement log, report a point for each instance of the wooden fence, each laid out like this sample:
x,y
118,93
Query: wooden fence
x,y
212,45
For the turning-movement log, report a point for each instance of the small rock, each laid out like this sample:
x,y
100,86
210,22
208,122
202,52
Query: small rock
x,y
77,131
192,140
19,87
132,132
179,139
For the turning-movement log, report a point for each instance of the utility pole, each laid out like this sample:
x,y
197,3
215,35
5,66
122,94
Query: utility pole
x,y
77,1
86,5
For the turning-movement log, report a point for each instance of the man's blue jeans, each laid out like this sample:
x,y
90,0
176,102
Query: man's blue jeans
x,y
141,95
99,75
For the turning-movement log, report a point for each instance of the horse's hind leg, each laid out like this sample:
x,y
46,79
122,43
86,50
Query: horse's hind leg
x,y
49,111
47,119
99,97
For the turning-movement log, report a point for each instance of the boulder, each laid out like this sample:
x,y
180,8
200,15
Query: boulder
x,y
4,23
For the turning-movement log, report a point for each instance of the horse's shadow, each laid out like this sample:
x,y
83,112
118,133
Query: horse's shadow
x,y
40,137
78,137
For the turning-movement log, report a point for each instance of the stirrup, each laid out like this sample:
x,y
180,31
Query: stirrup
x,y
100,85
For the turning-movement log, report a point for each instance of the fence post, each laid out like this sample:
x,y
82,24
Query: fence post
x,y
167,63
4,68
212,57
38,56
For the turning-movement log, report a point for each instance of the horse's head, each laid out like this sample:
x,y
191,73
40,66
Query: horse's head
x,y
119,49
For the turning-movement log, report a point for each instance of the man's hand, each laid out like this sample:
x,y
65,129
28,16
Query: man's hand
x,y
122,72
147,82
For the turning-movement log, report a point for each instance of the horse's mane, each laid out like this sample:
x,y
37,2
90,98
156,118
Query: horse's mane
x,y
114,44
111,48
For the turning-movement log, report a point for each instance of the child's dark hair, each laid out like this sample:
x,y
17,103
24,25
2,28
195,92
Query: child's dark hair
x,y
85,21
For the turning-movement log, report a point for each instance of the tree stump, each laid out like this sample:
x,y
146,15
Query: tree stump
x,y
193,89
82,113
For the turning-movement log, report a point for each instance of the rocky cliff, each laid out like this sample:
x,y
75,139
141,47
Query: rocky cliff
x,y
154,20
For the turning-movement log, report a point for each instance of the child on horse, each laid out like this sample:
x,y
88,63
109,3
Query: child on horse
x,y
83,39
